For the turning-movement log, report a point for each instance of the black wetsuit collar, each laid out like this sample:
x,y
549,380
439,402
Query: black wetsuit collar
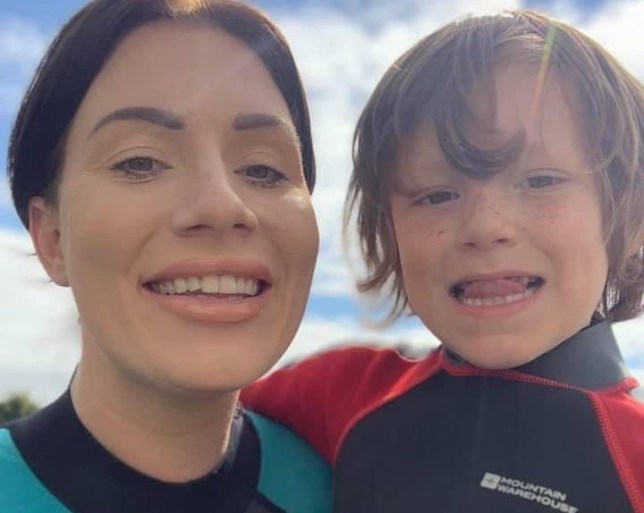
x,y
590,359
87,478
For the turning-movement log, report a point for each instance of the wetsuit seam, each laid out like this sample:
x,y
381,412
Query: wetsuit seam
x,y
617,454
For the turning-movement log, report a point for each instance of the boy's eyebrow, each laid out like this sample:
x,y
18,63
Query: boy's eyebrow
x,y
422,167
537,150
152,115
407,179
260,120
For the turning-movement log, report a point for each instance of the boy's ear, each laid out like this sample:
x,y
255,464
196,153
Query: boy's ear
x,y
45,235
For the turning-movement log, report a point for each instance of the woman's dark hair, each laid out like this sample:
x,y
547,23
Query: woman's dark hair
x,y
81,49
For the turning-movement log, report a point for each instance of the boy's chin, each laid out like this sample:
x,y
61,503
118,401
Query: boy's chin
x,y
501,354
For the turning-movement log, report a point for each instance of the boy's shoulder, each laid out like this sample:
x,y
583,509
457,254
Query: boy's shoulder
x,y
362,363
322,396
621,417
292,474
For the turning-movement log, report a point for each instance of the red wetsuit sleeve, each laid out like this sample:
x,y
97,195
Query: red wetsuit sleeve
x,y
322,397
622,421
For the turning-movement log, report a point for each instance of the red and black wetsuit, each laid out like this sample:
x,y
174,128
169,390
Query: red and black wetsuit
x,y
561,433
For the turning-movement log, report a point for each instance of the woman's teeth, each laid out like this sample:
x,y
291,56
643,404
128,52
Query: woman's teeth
x,y
225,284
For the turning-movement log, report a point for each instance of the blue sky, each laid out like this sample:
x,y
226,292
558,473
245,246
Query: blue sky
x,y
368,34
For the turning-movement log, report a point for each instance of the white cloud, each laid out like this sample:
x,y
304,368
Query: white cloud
x,y
319,333
38,335
5,194
21,47
618,27
21,44
630,335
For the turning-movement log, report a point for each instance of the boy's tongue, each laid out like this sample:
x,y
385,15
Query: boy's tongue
x,y
492,288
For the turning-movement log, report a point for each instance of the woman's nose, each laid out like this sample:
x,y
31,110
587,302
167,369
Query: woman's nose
x,y
214,202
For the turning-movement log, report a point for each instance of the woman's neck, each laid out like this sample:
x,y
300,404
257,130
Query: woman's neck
x,y
168,435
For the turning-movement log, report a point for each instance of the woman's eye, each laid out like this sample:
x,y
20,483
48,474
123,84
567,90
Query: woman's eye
x,y
261,175
437,197
140,167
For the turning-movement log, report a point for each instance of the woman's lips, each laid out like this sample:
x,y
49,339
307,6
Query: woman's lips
x,y
216,308
211,290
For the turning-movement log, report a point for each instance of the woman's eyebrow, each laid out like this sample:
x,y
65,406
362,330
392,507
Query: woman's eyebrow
x,y
172,121
152,115
260,120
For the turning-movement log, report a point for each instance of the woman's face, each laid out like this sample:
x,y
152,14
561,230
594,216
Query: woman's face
x,y
184,226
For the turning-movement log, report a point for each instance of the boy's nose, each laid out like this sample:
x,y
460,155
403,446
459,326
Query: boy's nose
x,y
489,223
213,201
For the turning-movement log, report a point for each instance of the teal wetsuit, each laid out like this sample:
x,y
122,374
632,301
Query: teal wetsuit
x,y
49,463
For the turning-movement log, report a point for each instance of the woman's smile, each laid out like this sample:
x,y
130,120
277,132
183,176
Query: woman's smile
x,y
217,291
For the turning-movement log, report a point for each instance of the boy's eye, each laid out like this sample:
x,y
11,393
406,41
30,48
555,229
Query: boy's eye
x,y
540,182
261,175
437,197
140,167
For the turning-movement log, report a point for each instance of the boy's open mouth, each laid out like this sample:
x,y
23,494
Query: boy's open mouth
x,y
495,291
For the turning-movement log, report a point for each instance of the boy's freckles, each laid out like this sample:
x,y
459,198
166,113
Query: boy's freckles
x,y
548,214
504,269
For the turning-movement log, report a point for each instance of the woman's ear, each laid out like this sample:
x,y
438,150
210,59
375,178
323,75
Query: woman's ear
x,y
45,235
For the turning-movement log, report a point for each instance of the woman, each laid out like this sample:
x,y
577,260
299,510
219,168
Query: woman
x,y
162,163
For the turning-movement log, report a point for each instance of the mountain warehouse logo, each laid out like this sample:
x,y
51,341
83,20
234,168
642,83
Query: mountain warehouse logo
x,y
551,498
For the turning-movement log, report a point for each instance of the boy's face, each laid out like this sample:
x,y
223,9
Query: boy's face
x,y
503,269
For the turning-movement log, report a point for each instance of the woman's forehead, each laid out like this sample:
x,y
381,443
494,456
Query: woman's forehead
x,y
184,69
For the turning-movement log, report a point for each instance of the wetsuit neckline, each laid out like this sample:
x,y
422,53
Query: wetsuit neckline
x,y
590,359
86,477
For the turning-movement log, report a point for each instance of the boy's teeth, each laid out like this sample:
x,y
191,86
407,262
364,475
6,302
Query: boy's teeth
x,y
226,284
497,300
495,288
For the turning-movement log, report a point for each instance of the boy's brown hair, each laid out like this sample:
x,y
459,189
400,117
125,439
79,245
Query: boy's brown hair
x,y
430,85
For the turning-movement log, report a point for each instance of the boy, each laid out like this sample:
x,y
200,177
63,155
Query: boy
x,y
498,183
